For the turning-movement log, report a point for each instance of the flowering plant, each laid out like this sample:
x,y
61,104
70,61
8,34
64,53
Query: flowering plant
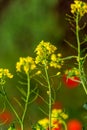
x,y
39,66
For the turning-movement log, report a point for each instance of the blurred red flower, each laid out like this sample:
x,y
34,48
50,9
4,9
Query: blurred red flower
x,y
71,82
74,124
6,117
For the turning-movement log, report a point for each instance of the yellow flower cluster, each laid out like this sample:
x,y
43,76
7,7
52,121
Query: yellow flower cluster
x,y
5,73
43,51
45,55
58,116
72,72
56,61
26,64
44,123
79,7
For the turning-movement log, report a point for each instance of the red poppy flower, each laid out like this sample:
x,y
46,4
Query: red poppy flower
x,y
74,124
71,82
6,117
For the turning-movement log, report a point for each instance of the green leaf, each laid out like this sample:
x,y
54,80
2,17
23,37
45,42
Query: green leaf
x,y
31,101
22,91
18,102
23,99
12,127
71,45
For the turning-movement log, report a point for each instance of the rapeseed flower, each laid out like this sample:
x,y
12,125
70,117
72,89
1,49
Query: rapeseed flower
x,y
26,64
57,118
43,51
58,113
79,7
56,61
44,123
5,73
72,72
46,55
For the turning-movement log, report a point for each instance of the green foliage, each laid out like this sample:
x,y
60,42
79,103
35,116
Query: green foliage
x,y
12,127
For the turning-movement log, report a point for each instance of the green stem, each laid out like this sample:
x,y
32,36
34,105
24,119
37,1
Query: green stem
x,y
64,124
49,87
78,41
79,53
69,57
12,108
27,97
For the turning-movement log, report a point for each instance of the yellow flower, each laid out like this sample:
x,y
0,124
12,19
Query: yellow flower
x,y
55,65
44,123
0,75
18,66
57,117
58,73
58,114
56,60
53,57
43,51
9,75
5,73
46,56
33,66
26,64
38,72
63,115
72,72
21,60
26,68
45,46
79,7
59,55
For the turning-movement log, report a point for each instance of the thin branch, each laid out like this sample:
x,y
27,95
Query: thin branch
x,y
43,111
70,45
69,57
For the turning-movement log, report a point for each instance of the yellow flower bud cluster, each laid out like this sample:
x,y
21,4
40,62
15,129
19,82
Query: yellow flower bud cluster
x,y
26,64
5,73
43,51
56,61
79,7
44,123
45,55
57,118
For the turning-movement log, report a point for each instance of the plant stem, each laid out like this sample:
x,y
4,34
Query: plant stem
x,y
49,87
69,57
12,108
64,124
27,97
79,53
78,41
